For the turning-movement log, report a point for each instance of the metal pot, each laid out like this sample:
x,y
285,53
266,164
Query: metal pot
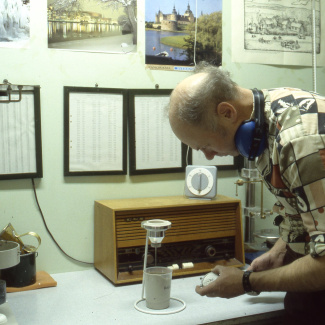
x,y
23,274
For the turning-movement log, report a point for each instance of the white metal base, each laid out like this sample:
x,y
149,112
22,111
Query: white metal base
x,y
176,305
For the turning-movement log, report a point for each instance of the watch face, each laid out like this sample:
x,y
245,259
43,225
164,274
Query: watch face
x,y
200,181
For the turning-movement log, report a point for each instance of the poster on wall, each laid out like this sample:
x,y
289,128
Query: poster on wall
x,y
277,32
92,25
14,23
179,34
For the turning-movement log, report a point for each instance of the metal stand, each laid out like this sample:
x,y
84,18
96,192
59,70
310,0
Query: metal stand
x,y
251,211
155,232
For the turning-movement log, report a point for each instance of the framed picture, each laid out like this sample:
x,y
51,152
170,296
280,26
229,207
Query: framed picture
x,y
20,132
154,149
177,36
103,26
95,131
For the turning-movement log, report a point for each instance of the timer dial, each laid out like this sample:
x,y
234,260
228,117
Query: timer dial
x,y
200,181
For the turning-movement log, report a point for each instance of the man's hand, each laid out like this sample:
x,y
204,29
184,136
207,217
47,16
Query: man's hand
x,y
227,285
271,259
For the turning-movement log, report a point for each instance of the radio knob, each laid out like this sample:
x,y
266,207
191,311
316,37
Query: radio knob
x,y
150,258
210,251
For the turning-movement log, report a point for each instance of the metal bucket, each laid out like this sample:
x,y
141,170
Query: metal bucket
x,y
23,274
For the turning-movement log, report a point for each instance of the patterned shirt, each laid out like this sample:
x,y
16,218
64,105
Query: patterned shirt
x,y
292,166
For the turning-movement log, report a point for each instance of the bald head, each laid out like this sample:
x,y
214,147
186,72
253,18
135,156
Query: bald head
x,y
194,96
206,109
184,96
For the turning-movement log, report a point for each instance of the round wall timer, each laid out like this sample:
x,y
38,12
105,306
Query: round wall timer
x,y
201,181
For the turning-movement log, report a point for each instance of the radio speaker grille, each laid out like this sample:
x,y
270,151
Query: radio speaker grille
x,y
187,223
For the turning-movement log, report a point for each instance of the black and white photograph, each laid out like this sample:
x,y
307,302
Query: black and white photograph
x,y
14,23
285,32
92,25
281,26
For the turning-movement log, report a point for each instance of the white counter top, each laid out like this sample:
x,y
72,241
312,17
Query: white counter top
x,y
87,297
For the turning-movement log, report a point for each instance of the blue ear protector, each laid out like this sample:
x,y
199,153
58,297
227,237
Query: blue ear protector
x,y
250,138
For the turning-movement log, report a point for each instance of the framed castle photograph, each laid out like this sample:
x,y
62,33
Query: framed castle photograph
x,y
179,34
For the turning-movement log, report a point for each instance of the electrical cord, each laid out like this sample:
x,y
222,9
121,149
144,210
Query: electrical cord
x,y
49,232
314,57
195,34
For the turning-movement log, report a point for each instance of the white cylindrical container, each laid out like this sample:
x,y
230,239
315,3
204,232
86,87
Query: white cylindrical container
x,y
157,283
9,254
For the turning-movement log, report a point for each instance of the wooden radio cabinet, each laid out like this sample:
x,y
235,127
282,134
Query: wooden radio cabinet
x,y
204,233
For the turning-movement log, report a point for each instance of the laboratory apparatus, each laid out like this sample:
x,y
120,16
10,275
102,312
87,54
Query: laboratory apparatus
x,y
155,234
251,177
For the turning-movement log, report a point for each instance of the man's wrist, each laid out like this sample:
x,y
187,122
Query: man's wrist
x,y
247,285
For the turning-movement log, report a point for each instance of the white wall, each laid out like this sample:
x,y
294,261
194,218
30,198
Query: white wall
x,y
67,202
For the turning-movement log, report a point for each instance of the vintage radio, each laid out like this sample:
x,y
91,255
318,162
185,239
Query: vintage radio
x,y
203,233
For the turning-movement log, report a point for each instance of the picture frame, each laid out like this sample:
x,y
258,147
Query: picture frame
x,y
20,133
95,131
154,148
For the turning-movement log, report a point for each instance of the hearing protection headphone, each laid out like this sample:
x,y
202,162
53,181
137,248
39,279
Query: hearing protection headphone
x,y
250,138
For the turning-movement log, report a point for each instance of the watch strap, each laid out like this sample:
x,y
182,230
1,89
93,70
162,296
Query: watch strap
x,y
247,285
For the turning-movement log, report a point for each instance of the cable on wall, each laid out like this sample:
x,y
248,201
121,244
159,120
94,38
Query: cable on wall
x,y
314,60
195,33
48,230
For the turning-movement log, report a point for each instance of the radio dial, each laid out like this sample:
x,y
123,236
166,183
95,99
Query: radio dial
x,y
150,258
210,251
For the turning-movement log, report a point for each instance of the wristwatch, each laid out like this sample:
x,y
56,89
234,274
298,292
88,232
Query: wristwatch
x,y
247,285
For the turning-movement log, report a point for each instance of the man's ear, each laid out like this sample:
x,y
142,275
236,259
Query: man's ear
x,y
227,111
